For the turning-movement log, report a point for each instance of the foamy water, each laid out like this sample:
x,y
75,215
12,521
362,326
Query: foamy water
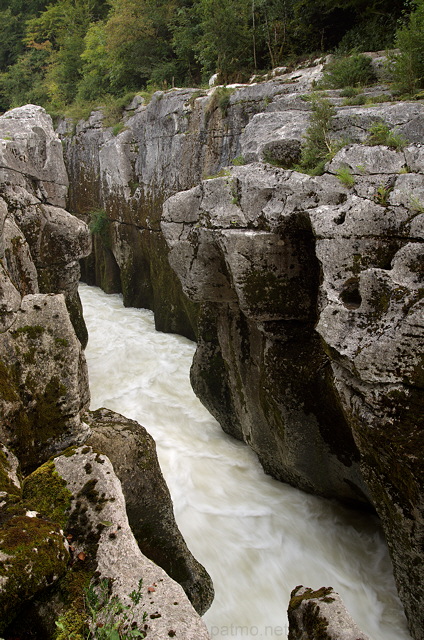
x,y
257,537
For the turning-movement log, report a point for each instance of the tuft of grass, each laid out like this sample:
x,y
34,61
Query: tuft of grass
x,y
355,100
349,92
118,128
416,205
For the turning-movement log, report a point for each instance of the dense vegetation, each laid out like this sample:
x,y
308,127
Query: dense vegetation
x,y
68,52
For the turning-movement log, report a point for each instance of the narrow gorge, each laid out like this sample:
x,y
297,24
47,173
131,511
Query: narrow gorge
x,y
304,294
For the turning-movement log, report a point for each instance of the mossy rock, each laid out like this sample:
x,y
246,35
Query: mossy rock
x,y
34,555
45,491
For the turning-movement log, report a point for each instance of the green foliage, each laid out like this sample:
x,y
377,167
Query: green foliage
x,y
24,81
238,161
380,133
408,66
354,70
345,176
107,618
65,51
319,147
381,196
355,100
220,99
374,32
223,173
99,222
350,92
226,41
416,205
118,128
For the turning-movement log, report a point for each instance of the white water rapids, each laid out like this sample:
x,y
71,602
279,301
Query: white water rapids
x,y
257,538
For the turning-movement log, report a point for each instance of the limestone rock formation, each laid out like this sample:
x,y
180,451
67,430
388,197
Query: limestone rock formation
x,y
315,290
314,615
33,551
43,376
304,291
104,552
132,452
31,155
44,397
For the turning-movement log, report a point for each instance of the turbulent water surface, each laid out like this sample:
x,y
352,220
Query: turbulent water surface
x,y
258,538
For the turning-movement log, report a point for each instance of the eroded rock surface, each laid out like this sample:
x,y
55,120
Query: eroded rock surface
x,y
80,488
132,452
311,332
44,396
43,376
315,615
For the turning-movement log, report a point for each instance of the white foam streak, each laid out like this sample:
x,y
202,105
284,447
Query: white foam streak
x,y
258,538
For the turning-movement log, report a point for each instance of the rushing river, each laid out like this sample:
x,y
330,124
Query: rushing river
x,y
257,538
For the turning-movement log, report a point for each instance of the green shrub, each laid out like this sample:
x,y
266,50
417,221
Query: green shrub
x,y
408,66
355,100
220,99
348,71
380,133
350,92
372,33
319,147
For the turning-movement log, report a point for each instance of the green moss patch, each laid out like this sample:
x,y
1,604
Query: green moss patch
x,y
34,557
45,491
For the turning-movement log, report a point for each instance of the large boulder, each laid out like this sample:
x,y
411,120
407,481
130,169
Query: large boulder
x,y
44,382
319,614
31,154
132,452
81,491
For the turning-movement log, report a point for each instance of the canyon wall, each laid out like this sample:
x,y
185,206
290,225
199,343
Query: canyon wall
x,y
65,526
305,293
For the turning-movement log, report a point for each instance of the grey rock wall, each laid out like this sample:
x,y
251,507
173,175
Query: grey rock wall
x,y
304,294
44,398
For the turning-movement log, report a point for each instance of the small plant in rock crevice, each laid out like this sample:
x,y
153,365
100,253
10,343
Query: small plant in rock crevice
x,y
107,618
99,222
416,205
345,176
381,196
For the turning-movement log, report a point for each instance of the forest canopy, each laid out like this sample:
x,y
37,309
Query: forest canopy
x,y
76,51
